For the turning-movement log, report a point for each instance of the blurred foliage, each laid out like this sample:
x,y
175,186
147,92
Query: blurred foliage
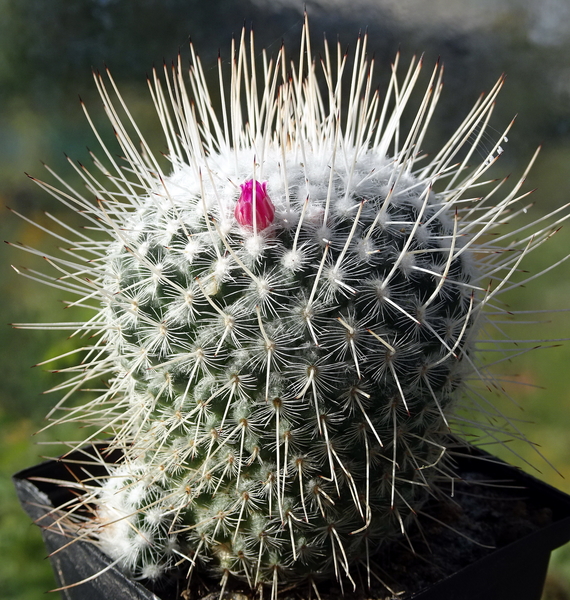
x,y
48,49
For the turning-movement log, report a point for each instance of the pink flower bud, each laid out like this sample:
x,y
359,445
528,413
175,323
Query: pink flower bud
x,y
264,209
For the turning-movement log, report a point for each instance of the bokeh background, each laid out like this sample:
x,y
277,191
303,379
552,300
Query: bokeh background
x,y
48,49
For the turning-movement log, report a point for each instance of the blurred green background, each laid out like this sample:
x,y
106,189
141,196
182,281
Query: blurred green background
x,y
47,51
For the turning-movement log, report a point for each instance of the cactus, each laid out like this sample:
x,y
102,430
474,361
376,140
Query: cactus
x,y
286,318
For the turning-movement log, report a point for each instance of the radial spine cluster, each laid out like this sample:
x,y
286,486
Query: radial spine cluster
x,y
285,318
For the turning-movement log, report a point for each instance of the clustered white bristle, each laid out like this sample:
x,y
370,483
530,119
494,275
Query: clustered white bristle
x,y
282,395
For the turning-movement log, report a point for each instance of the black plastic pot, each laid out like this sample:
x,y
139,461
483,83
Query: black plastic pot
x,y
514,572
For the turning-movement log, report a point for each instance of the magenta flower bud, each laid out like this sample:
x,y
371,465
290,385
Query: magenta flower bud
x,y
264,209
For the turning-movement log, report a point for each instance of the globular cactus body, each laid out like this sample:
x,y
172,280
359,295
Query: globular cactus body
x,y
290,385
286,320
